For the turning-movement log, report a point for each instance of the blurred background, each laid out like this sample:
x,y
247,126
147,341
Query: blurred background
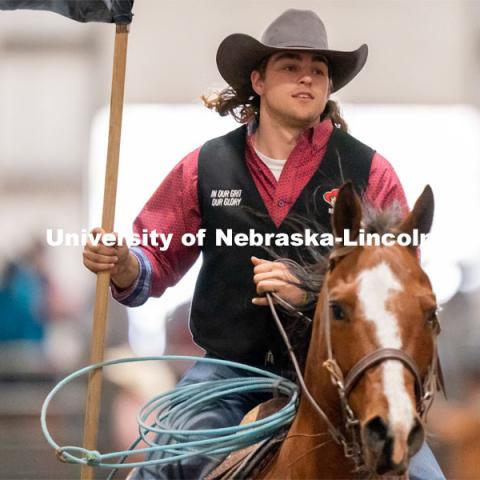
x,y
417,102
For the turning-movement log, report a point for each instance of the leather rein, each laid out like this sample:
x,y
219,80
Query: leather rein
x,y
349,436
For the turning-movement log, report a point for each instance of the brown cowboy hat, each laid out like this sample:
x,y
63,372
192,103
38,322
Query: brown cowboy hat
x,y
299,30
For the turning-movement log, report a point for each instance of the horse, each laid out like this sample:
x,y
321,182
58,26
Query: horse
x,y
372,365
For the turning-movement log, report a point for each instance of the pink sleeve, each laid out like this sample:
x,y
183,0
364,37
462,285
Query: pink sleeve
x,y
172,209
384,187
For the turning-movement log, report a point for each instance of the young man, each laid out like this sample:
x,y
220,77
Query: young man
x,y
293,152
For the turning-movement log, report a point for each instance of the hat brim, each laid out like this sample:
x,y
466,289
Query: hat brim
x,y
239,54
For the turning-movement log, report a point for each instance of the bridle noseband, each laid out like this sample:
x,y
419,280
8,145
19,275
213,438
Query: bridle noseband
x,y
349,437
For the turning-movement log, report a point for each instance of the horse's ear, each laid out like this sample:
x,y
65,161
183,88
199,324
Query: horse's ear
x,y
347,212
421,216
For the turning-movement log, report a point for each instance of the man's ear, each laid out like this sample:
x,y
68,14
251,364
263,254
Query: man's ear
x,y
257,82
347,212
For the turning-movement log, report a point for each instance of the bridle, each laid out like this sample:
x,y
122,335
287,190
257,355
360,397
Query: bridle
x,y
349,436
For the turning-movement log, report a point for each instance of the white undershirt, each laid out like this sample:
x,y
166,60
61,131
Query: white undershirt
x,y
275,166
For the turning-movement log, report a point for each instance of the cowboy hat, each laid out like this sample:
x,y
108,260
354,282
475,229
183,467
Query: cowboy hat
x,y
298,30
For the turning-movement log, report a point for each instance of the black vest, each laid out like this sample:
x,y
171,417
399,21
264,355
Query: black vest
x,y
223,320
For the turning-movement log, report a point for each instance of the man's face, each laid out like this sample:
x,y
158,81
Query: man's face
x,y
294,89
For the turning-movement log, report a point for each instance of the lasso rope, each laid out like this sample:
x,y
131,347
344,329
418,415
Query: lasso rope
x,y
179,405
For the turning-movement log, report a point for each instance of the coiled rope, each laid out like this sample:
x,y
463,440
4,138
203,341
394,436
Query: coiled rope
x,y
181,404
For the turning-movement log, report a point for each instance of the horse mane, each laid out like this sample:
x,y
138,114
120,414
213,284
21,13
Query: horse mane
x,y
311,269
381,221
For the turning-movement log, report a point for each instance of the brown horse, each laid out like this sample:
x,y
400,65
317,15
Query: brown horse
x,y
371,369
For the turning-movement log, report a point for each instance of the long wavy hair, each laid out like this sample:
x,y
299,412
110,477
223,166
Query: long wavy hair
x,y
244,104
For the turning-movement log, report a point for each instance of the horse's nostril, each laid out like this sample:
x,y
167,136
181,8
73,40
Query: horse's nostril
x,y
416,437
375,430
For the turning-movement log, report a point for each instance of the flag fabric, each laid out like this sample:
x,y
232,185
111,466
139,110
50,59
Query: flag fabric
x,y
107,11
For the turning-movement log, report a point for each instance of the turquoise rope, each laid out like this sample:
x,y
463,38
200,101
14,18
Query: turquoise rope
x,y
178,405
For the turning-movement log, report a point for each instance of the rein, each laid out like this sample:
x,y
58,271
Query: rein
x,y
335,432
351,440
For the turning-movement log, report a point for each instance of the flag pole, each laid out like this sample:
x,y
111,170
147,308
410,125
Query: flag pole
x,y
97,345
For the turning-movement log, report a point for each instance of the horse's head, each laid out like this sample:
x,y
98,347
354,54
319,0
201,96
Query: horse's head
x,y
378,313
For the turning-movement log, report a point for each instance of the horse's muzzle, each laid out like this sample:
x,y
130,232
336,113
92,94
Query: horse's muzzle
x,y
388,450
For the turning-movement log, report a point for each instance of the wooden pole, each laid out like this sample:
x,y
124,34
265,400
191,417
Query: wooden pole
x,y
97,346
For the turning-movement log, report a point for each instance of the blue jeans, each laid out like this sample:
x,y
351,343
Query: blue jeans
x,y
424,466
230,411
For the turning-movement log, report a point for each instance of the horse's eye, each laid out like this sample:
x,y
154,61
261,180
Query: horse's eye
x,y
432,317
338,313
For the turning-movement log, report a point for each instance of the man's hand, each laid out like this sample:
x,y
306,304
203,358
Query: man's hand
x,y
117,260
275,277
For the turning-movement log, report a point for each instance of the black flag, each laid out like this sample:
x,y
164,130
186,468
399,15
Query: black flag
x,y
107,11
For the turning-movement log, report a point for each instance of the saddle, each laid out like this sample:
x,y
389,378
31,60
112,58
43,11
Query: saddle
x,y
246,463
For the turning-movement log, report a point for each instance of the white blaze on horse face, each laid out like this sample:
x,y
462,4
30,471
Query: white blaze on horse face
x,y
376,285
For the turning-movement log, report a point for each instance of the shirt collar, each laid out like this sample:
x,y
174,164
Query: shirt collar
x,y
317,136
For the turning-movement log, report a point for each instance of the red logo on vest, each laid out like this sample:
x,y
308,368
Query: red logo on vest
x,y
330,198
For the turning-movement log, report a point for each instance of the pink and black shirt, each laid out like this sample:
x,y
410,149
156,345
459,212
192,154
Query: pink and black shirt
x,y
174,206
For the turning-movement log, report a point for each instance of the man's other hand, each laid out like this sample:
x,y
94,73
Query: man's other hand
x,y
117,259
275,277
